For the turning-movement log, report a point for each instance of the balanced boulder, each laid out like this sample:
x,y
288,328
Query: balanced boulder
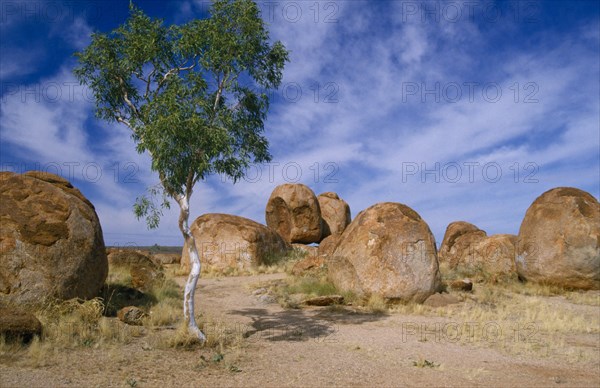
x,y
460,237
335,213
51,243
293,211
228,241
559,240
387,250
470,248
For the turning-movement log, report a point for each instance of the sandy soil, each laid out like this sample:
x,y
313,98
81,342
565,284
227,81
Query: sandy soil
x,y
311,347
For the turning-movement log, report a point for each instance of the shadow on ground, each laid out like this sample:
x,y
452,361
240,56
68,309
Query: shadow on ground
x,y
298,325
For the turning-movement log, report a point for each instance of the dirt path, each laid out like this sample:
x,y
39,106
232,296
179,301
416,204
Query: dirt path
x,y
310,347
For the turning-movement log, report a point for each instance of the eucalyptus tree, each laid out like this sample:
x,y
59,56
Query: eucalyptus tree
x,y
195,97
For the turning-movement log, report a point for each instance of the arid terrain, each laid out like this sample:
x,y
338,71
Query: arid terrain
x,y
473,343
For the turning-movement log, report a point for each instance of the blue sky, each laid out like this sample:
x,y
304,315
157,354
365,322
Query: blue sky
x,y
461,110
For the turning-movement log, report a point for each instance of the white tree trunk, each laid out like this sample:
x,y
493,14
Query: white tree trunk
x,y
192,281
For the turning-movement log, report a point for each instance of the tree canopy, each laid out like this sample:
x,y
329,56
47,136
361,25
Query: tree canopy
x,y
194,95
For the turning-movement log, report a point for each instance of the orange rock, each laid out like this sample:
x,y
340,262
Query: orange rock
x,y
293,211
51,242
559,240
387,250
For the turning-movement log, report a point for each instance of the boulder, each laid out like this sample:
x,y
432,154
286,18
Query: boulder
x,y
227,241
462,285
127,258
309,263
166,258
335,213
18,325
293,211
494,255
131,315
146,276
51,243
460,238
145,273
559,240
387,250
328,245
441,300
477,253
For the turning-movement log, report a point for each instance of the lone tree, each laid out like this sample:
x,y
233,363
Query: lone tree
x,y
189,95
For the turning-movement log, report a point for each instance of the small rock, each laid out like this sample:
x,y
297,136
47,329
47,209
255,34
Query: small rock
x,y
131,315
441,300
326,300
259,291
266,299
462,285
16,325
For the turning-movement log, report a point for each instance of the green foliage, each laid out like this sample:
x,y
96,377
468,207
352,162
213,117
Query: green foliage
x,y
147,206
188,92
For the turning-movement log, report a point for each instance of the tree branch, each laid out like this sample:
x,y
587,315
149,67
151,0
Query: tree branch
x,y
120,119
176,70
134,110
220,91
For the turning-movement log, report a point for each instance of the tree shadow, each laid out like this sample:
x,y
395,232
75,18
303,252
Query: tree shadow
x,y
298,325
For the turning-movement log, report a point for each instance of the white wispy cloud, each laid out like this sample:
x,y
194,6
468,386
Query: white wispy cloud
x,y
357,117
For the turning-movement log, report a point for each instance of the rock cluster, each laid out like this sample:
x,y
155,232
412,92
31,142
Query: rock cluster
x,y
470,248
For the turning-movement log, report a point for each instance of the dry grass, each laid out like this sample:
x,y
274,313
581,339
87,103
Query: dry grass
x,y
518,318
76,324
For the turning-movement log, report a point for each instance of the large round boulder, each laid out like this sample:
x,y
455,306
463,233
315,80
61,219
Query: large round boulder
x,y
335,213
387,250
51,243
293,211
559,240
228,241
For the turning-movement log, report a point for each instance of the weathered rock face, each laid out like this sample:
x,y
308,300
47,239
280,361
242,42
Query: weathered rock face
x,y
460,237
495,255
51,242
469,247
335,213
308,264
328,245
293,211
225,240
387,250
559,240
